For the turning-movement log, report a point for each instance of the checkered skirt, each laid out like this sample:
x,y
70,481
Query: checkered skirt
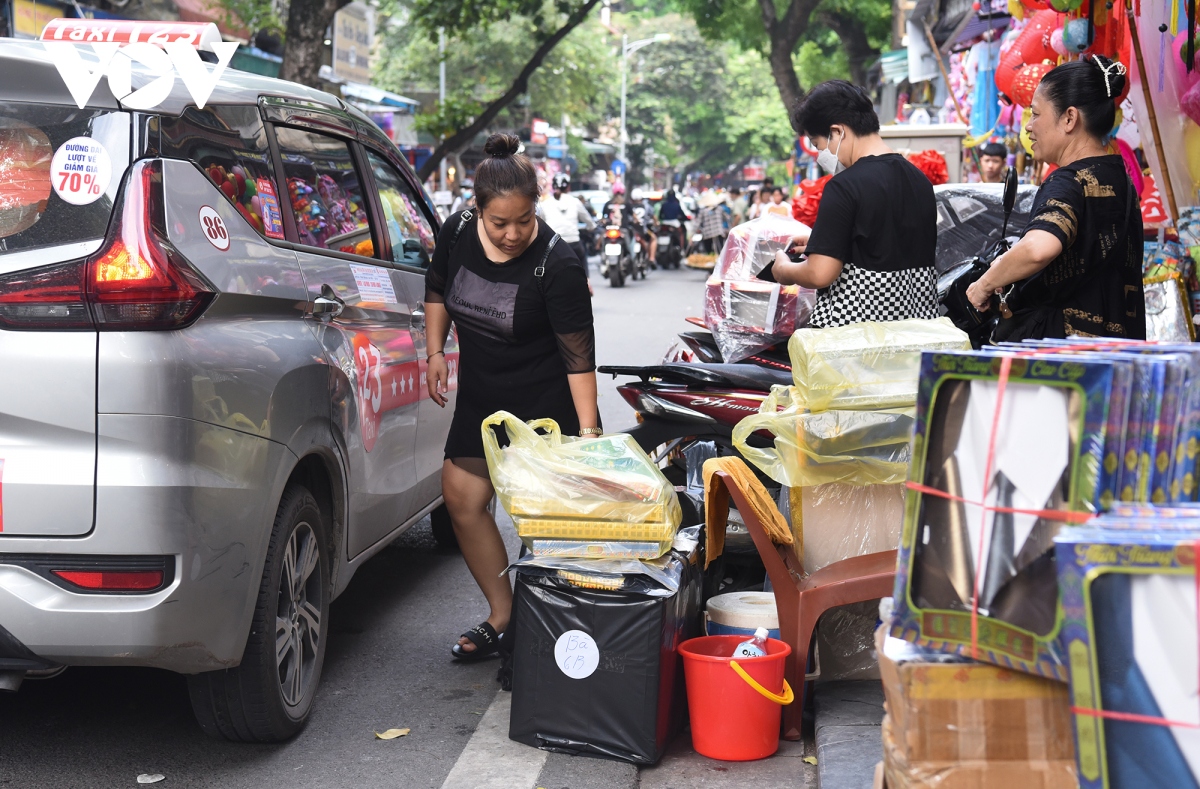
x,y
859,295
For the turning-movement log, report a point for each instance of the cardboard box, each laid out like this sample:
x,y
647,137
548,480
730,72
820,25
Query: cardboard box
x,y
973,726
970,774
1050,446
1129,600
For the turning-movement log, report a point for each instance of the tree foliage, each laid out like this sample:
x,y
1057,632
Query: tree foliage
x,y
520,36
693,104
805,41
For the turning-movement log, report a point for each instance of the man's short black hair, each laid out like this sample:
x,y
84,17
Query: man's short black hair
x,y
994,149
835,102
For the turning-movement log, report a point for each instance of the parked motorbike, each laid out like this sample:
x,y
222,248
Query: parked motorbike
x,y
686,413
617,258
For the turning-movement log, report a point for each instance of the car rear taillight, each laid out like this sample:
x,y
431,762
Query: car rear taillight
x,y
51,297
136,281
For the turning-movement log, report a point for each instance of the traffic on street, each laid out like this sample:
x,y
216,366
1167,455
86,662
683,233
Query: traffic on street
x,y
599,393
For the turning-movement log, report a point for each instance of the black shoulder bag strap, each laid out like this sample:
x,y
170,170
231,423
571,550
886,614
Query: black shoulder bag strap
x,y
463,218
540,271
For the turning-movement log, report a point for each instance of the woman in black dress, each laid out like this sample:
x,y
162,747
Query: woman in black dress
x,y
1077,270
519,299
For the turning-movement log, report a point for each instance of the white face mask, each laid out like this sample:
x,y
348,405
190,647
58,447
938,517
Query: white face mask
x,y
828,161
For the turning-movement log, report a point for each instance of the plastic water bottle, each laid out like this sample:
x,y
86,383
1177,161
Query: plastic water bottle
x,y
755,647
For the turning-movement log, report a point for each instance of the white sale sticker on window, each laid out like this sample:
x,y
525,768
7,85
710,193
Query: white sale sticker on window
x,y
374,284
80,171
576,654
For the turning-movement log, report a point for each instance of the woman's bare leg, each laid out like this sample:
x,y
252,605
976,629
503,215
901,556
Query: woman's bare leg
x,y
467,498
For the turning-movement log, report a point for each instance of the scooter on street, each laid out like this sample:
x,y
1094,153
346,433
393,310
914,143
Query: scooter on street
x,y
671,243
617,256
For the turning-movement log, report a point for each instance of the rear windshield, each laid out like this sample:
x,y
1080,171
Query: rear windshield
x,y
60,168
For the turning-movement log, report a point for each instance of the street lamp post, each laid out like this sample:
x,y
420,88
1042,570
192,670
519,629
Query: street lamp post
x,y
626,50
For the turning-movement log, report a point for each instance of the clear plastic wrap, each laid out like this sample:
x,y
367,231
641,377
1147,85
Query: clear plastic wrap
x,y
854,447
867,366
589,491
838,521
746,314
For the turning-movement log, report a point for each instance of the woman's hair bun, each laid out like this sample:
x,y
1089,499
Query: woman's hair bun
x,y
1113,74
501,145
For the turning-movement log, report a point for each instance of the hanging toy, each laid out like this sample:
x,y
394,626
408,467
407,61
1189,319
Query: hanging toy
x,y
1075,35
1057,43
1190,102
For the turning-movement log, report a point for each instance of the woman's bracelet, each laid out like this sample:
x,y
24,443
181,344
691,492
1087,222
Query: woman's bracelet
x,y
429,358
591,431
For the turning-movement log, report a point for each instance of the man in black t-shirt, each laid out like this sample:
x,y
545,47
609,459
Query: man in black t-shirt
x,y
871,251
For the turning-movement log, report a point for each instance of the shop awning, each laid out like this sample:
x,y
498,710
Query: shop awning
x,y
378,96
893,66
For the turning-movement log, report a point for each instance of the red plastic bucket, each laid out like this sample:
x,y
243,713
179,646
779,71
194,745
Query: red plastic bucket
x,y
734,705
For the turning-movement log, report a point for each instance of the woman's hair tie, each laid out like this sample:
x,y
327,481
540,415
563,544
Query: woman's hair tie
x,y
1116,67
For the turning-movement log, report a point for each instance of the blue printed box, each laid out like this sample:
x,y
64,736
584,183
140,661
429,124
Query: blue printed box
x,y
1129,604
1046,469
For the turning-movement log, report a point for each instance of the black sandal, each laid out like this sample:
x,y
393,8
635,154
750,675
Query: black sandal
x,y
485,639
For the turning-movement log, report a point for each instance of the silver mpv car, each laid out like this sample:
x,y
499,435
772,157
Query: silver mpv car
x,y
213,406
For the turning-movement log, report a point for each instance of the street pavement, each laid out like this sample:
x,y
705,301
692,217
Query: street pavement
x,y
388,666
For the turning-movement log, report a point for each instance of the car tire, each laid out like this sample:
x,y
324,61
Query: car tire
x,y
268,697
443,529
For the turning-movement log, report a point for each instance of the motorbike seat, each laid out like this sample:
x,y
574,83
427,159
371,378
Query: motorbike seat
x,y
735,376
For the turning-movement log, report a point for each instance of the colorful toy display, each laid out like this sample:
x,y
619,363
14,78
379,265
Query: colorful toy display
x,y
254,197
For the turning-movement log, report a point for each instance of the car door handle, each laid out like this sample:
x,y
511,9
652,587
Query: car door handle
x,y
418,318
328,305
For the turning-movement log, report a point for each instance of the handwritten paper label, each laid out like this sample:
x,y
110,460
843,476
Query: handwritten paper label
x,y
576,654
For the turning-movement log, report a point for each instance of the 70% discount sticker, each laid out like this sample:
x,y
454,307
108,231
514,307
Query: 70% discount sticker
x,y
80,171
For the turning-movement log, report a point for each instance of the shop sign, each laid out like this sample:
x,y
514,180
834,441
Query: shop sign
x,y
352,38
539,132
754,172
29,17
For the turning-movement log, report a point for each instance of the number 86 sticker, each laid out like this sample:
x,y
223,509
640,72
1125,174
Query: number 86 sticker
x,y
213,227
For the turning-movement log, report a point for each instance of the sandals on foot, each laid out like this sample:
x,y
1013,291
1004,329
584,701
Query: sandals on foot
x,y
485,639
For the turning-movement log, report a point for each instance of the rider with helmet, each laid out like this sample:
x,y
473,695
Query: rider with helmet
x,y
563,212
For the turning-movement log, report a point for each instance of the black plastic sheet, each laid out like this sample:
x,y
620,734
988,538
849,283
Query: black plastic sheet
x,y
970,220
634,702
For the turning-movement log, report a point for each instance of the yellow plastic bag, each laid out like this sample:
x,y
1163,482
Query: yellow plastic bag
x,y
853,447
581,496
867,365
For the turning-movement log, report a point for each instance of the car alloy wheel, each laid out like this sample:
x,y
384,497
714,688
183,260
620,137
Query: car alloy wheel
x,y
298,622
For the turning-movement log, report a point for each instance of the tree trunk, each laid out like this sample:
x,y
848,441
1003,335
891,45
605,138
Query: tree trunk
x,y
305,42
783,69
520,85
784,33
853,37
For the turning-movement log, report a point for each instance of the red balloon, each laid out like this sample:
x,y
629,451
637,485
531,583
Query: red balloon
x,y
1026,81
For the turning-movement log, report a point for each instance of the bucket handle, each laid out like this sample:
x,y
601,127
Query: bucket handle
x,y
785,698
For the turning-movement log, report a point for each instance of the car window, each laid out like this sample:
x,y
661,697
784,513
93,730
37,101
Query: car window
x,y
230,146
410,232
325,192
60,169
